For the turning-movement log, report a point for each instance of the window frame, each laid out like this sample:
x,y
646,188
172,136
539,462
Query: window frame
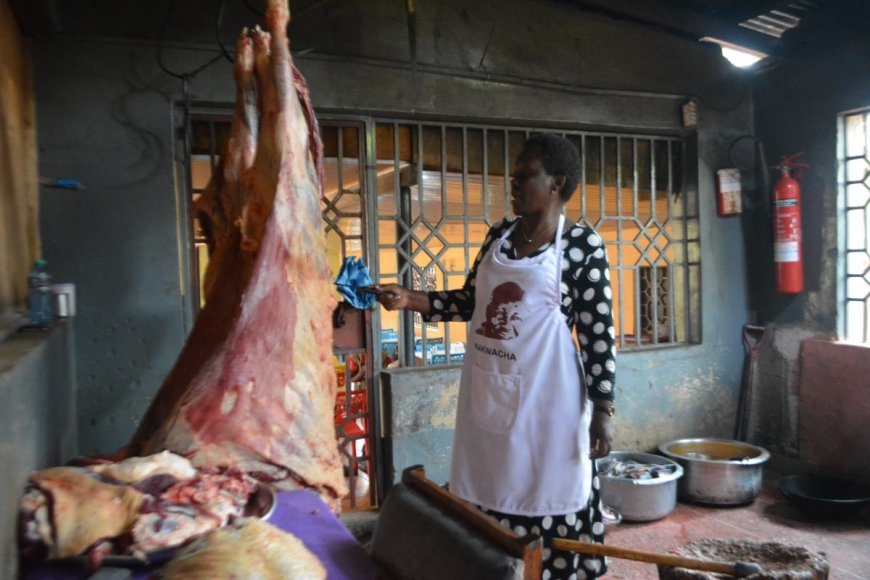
x,y
843,210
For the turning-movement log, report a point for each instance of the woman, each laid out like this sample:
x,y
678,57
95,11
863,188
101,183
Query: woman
x,y
529,419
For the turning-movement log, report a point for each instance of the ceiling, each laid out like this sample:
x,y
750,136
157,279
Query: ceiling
x,y
780,28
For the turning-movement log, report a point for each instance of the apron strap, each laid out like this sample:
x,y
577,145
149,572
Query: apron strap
x,y
557,248
505,235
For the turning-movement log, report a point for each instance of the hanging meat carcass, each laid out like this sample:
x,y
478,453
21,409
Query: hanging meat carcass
x,y
220,206
254,386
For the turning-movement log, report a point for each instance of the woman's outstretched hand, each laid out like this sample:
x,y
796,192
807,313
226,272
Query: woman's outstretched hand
x,y
394,297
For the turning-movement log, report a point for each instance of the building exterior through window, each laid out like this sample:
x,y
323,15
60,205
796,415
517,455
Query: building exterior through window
x,y
854,179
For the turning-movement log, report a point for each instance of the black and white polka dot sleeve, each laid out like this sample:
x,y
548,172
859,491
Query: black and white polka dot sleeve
x,y
591,302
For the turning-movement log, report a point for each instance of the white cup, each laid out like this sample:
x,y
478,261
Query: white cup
x,y
64,300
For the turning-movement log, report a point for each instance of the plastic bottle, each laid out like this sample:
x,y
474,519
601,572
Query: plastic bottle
x,y
39,311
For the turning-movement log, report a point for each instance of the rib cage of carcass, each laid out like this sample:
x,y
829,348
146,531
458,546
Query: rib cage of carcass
x,y
254,385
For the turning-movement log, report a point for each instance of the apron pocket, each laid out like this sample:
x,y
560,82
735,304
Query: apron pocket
x,y
495,399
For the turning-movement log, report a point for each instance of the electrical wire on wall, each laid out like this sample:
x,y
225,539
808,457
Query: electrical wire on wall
x,y
218,21
759,163
758,167
185,77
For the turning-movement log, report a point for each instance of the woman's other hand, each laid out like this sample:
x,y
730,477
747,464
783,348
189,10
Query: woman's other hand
x,y
600,435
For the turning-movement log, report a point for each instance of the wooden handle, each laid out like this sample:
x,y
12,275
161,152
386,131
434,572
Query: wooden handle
x,y
643,556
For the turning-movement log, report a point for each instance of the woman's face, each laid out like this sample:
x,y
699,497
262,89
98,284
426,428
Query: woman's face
x,y
533,190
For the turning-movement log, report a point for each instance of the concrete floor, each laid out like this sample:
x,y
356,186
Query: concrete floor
x,y
846,542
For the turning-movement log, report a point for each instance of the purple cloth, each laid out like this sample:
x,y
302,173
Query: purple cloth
x,y
303,514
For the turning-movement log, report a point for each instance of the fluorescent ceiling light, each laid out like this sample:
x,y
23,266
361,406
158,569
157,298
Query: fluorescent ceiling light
x,y
737,55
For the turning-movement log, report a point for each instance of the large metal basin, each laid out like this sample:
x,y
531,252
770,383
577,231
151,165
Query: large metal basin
x,y
718,471
640,500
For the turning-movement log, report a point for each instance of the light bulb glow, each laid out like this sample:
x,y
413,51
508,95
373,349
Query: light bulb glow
x,y
737,55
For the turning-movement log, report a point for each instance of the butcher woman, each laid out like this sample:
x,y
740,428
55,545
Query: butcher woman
x,y
532,413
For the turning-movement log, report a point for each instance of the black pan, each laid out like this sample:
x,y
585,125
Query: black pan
x,y
825,496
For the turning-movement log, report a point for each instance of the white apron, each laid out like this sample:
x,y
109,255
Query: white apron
x,y
521,444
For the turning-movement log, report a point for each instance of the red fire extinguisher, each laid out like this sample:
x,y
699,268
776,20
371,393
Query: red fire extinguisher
x,y
787,251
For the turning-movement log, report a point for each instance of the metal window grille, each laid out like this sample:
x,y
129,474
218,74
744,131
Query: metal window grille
x,y
854,178
441,186
654,285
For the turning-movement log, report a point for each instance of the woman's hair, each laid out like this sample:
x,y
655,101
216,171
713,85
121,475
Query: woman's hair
x,y
559,157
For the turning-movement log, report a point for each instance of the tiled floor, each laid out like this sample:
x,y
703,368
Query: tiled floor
x,y
771,517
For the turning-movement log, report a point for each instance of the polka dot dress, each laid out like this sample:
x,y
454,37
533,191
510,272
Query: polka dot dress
x,y
585,525
586,300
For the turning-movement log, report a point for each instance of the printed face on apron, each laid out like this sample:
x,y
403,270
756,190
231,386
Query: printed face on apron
x,y
521,444
503,313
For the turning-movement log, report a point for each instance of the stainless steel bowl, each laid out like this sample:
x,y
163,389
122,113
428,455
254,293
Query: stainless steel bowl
x,y
261,503
640,500
718,471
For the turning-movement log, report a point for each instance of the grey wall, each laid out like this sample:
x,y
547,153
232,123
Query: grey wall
x,y
422,405
105,118
37,420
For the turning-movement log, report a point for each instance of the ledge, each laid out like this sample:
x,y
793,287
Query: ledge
x,y
17,347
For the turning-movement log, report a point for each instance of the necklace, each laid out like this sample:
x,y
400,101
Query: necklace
x,y
525,237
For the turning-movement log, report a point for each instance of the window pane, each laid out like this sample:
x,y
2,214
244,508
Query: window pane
x,y
856,169
474,174
496,178
626,177
855,136
857,195
200,171
856,232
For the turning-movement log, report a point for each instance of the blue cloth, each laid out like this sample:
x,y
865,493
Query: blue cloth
x,y
354,275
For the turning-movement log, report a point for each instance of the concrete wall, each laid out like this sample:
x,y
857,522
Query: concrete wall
x,y
796,108
105,118
422,417
37,420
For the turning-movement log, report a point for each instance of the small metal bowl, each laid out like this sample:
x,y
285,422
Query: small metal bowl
x,y
824,496
639,500
261,504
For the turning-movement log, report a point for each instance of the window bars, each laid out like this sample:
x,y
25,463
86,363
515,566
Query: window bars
x,y
854,178
441,186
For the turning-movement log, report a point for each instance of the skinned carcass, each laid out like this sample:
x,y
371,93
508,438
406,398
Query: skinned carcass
x,y
254,386
220,206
